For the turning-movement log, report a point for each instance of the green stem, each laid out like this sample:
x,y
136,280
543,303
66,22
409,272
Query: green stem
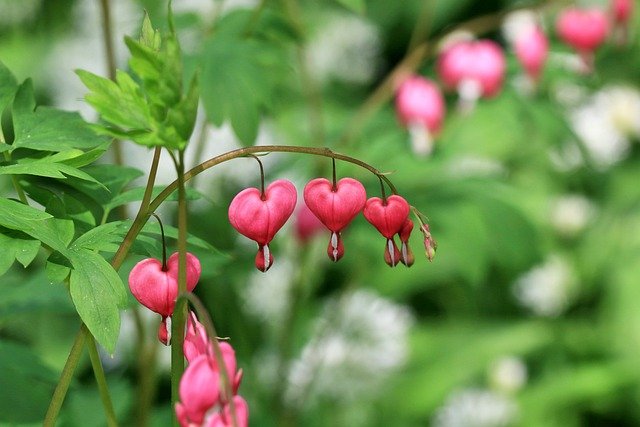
x,y
73,359
109,53
242,152
180,312
101,380
65,378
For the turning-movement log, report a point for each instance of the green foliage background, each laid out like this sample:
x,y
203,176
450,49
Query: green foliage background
x,y
492,224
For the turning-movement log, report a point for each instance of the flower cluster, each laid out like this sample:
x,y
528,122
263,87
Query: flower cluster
x,y
155,285
259,216
205,399
476,68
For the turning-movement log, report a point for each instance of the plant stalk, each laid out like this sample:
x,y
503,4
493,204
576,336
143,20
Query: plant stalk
x,y
180,312
101,380
65,378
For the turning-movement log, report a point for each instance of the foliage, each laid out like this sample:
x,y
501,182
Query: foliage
x,y
537,229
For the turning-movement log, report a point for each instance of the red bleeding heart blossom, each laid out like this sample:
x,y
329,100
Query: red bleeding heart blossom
x,y
157,288
203,400
584,30
388,217
474,68
531,47
336,206
406,254
259,216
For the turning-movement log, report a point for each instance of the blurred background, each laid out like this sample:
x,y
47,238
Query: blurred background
x,y
529,313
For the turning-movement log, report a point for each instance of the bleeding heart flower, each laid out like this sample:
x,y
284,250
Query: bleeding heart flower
x,y
621,10
199,391
164,331
157,288
406,255
225,419
260,216
336,206
531,47
583,29
196,342
389,217
474,68
420,108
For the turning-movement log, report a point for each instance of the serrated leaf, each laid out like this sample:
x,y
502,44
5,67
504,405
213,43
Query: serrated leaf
x,y
26,384
172,233
17,246
121,102
35,223
8,86
47,168
234,85
48,129
97,293
106,237
136,195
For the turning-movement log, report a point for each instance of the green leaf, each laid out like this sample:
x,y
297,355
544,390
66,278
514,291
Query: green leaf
x,y
35,223
97,292
26,384
46,167
121,102
106,237
48,129
136,194
172,233
234,84
8,87
16,247
30,294
358,6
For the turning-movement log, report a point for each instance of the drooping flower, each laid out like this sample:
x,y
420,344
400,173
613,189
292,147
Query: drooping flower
x,y
259,216
157,288
473,68
336,206
584,30
388,216
420,108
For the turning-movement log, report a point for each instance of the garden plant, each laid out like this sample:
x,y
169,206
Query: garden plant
x,y
319,213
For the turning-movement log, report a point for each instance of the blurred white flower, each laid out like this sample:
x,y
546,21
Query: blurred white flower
x,y
606,122
546,289
85,50
508,374
347,47
17,12
476,408
267,295
359,340
470,166
126,346
571,213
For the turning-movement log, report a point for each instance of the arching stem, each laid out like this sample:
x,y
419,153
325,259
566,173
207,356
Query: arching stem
x,y
164,242
262,195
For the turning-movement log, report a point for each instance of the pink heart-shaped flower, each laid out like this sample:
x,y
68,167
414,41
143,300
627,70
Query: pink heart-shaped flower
x,y
157,289
335,207
388,217
260,218
583,29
